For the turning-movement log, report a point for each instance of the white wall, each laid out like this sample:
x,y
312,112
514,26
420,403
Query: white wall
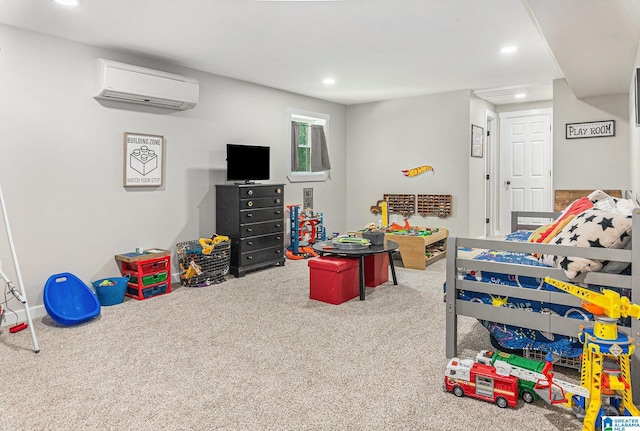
x,y
62,160
634,132
383,138
593,163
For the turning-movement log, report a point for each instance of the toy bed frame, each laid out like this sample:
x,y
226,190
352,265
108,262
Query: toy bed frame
x,y
551,323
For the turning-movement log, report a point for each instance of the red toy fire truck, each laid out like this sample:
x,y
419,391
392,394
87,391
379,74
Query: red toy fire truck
x,y
467,377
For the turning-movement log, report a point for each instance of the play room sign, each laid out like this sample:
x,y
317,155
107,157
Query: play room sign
x,y
596,129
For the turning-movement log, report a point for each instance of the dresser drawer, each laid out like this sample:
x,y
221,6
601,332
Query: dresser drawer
x,y
261,191
264,241
264,214
264,255
273,201
255,229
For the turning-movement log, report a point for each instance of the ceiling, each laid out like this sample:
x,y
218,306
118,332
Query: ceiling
x,y
374,49
595,42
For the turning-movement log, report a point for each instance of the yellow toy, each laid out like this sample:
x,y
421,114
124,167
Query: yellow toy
x,y
605,370
208,244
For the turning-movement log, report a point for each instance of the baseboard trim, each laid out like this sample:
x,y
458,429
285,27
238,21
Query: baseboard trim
x,y
11,319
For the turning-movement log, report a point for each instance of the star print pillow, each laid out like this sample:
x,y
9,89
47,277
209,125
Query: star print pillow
x,y
591,228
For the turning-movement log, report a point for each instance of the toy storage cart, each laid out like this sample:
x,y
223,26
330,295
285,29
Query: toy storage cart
x,y
149,272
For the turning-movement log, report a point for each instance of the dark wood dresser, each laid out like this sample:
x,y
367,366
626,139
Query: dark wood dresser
x,y
252,216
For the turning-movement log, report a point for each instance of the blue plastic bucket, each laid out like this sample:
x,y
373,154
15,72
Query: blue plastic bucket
x,y
110,291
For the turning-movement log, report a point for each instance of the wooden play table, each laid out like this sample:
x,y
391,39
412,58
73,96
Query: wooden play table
x,y
412,248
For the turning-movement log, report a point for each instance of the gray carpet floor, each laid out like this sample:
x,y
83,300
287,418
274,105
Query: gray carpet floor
x,y
255,353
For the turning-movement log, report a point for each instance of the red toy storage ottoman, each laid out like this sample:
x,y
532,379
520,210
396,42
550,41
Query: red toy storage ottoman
x,y
333,279
376,269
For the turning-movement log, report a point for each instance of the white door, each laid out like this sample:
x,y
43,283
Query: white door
x,y
525,167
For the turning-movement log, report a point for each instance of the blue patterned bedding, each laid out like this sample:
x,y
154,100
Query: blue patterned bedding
x,y
516,338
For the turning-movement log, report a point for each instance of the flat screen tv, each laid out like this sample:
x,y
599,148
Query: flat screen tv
x,y
247,163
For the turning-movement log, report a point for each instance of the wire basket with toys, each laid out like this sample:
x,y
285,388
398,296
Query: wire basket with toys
x,y
204,262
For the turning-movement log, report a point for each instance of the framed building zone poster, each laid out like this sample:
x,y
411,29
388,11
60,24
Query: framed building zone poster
x,y
143,160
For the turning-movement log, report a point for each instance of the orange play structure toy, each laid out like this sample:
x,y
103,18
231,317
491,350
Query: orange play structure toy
x,y
305,228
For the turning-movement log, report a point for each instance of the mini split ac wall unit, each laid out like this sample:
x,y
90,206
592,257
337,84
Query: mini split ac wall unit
x,y
133,84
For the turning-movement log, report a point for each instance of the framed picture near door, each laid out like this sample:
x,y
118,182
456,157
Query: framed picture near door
x,y
477,143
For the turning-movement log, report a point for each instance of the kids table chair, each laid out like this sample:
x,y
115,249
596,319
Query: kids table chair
x,y
69,301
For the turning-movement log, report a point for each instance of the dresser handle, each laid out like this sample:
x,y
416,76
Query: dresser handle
x,y
250,242
278,251
249,215
249,257
249,229
250,192
278,225
278,212
278,238
277,201
250,203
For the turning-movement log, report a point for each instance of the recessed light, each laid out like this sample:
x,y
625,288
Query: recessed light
x,y
509,49
520,95
328,81
68,2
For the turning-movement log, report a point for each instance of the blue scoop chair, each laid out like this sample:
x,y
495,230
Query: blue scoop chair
x,y
69,301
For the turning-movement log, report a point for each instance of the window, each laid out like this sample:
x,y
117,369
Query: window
x,y
307,155
302,163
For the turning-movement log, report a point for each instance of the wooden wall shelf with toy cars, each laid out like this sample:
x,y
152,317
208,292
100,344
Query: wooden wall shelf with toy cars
x,y
439,205
426,204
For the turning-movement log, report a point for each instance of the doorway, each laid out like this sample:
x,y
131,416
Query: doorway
x,y
525,164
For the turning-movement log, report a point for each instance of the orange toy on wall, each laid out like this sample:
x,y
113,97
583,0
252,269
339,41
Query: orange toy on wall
x,y
417,171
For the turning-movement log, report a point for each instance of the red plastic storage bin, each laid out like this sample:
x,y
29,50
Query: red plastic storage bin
x,y
149,273
333,280
376,269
